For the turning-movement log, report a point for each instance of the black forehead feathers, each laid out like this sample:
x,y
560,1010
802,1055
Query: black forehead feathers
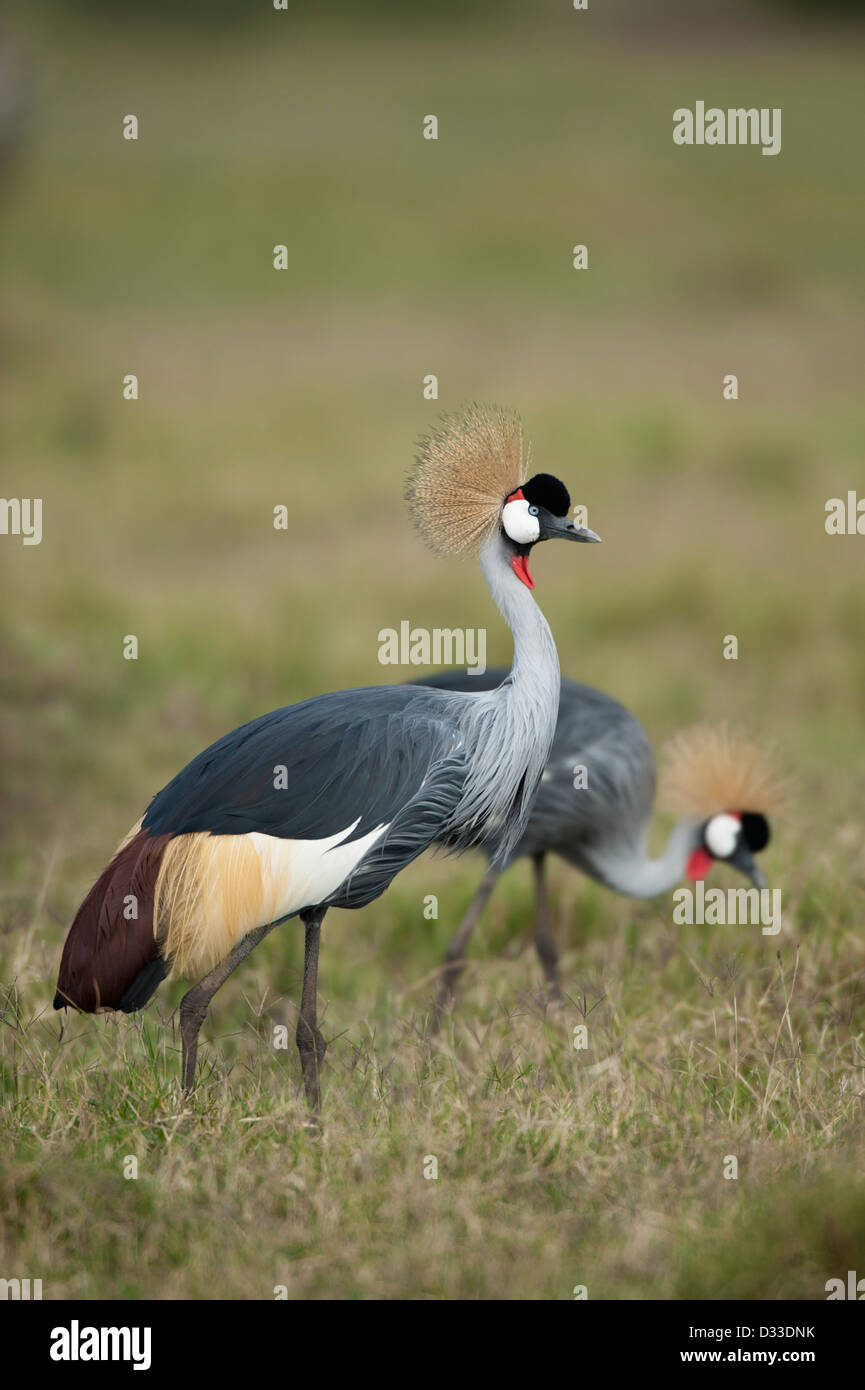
x,y
755,829
543,490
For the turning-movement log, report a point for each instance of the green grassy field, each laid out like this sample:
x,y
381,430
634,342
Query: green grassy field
x,y
556,1168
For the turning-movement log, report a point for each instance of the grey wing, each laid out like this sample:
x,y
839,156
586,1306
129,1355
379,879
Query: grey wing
x,y
352,761
414,828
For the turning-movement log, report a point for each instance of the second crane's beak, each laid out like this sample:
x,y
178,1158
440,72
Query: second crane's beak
x,y
561,528
743,860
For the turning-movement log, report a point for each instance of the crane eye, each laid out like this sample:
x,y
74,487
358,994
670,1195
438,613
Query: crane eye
x,y
533,511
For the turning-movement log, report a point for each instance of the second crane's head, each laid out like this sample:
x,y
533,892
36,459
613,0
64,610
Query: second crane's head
x,y
470,485
728,788
731,837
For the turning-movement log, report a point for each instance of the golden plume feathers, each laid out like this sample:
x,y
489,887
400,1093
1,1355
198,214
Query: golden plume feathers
x,y
708,768
209,894
464,470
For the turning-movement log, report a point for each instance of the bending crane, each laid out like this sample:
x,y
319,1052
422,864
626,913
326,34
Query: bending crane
x,y
594,808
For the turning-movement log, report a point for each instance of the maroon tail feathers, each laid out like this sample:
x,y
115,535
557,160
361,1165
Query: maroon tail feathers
x,y
105,951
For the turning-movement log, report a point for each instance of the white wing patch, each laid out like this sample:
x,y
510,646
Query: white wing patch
x,y
213,890
300,873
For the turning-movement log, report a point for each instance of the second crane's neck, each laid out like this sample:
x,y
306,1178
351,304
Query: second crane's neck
x,y
627,868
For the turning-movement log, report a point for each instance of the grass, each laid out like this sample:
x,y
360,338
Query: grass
x,y
602,1167
556,1167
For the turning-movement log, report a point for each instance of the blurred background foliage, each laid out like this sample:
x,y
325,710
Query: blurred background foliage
x,y
665,15
304,387
408,257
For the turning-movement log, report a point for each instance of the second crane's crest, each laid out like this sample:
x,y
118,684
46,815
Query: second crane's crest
x,y
708,769
465,470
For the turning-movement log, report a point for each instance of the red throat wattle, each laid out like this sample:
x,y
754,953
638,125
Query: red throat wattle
x,y
699,864
520,567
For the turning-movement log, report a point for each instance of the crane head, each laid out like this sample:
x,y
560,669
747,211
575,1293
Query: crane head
x,y
468,485
732,837
718,777
538,511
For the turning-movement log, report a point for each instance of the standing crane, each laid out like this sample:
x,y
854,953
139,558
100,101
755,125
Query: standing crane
x,y
321,804
594,808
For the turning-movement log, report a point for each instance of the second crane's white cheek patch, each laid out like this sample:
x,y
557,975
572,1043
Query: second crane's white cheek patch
x,y
519,525
721,835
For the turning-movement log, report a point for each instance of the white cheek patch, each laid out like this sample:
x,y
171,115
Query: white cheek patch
x,y
721,835
521,527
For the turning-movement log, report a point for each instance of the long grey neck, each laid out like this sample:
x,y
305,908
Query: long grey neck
x,y
535,669
627,868
510,729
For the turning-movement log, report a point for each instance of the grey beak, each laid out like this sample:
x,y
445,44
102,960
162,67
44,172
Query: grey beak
x,y
744,861
559,528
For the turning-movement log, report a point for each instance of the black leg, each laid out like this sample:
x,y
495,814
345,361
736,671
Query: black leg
x,y
455,957
193,1006
544,943
310,1042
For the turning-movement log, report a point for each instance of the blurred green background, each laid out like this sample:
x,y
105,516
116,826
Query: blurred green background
x,y
305,387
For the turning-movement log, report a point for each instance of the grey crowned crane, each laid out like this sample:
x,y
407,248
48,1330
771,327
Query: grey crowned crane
x,y
321,804
598,819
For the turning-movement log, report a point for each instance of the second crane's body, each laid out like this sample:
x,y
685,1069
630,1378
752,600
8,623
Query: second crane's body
x,y
594,809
